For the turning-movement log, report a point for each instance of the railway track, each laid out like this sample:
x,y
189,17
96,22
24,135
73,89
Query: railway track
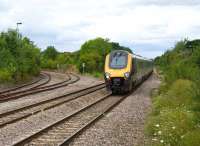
x,y
64,130
30,85
72,79
29,110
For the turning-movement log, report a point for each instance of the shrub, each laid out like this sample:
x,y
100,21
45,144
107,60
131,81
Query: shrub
x,y
180,94
19,57
176,109
5,75
98,75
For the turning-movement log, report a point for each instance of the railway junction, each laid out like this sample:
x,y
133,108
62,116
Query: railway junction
x,y
70,109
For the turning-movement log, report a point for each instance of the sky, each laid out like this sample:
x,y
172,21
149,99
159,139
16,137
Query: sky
x,y
148,27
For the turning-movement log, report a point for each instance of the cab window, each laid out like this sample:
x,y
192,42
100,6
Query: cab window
x,y
118,60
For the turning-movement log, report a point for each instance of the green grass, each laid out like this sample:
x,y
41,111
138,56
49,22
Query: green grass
x,y
191,138
172,116
98,75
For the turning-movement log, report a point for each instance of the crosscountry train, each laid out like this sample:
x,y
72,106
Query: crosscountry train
x,y
124,70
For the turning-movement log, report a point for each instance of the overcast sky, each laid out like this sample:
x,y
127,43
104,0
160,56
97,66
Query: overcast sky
x,y
148,27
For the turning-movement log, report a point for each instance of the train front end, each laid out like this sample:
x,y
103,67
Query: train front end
x,y
118,71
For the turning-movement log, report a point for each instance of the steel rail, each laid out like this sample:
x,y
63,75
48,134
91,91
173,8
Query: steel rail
x,y
29,138
51,103
96,118
38,90
68,136
24,85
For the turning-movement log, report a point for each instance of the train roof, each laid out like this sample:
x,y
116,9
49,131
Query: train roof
x,y
133,55
141,57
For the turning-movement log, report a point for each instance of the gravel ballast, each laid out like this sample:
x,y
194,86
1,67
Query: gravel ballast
x,y
124,125
56,77
21,129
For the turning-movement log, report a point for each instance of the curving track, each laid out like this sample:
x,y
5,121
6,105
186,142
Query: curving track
x,y
15,95
26,111
43,76
63,131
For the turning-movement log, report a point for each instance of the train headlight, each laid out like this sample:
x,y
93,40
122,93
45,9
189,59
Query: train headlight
x,y
107,75
126,75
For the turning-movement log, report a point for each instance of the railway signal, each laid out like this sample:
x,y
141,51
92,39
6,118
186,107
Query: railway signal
x,y
83,66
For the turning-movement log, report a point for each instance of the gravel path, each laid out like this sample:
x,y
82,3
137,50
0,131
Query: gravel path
x,y
124,125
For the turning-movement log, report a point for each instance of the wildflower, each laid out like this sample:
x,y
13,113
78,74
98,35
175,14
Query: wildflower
x,y
154,139
157,125
173,127
159,132
182,136
161,141
154,134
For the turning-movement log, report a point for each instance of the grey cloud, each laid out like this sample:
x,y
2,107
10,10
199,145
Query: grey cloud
x,y
4,6
68,24
195,29
165,2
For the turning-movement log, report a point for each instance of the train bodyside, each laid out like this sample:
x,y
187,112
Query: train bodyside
x,y
123,70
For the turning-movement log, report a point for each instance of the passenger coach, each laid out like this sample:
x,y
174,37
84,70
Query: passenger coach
x,y
124,70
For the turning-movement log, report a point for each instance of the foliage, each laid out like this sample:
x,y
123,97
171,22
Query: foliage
x,y
50,53
93,54
191,138
19,57
52,59
169,126
178,102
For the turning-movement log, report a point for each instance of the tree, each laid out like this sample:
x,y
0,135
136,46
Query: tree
x,y
93,53
19,57
50,53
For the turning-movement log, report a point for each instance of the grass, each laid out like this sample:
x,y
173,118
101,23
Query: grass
x,y
173,120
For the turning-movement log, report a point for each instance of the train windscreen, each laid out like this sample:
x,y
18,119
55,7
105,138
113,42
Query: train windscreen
x,y
118,60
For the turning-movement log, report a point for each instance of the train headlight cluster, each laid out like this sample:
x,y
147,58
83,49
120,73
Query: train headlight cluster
x,y
126,75
107,75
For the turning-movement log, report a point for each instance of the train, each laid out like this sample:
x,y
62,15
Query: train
x,y
123,70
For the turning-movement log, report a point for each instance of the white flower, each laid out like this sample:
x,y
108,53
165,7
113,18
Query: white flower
x,y
182,136
154,139
154,134
173,127
161,141
159,132
157,125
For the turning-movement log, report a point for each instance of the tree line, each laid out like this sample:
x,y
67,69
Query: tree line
x,y
21,58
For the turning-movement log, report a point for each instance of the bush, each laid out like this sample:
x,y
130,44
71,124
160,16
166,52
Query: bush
x,y
19,57
49,64
98,75
180,94
5,76
176,109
